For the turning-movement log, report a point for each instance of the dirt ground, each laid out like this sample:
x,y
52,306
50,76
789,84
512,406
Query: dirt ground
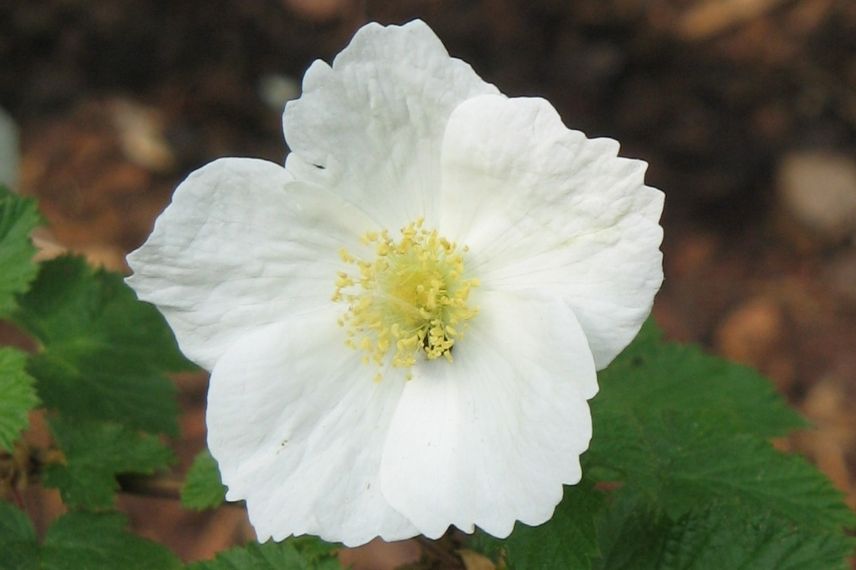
x,y
744,109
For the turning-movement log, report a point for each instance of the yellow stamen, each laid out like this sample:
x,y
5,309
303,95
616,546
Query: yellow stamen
x,y
411,299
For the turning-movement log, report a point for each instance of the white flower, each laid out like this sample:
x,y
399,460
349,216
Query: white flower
x,y
403,324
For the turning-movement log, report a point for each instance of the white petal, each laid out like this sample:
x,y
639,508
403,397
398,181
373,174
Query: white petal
x,y
240,246
297,426
491,437
374,120
543,207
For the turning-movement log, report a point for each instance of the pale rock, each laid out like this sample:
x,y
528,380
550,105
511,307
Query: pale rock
x,y
141,133
277,90
9,154
749,334
818,190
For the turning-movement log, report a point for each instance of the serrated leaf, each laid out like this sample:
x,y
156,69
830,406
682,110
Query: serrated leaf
x,y
18,548
78,541
568,540
95,453
100,542
680,462
652,376
202,486
104,353
294,554
634,535
18,396
18,217
687,431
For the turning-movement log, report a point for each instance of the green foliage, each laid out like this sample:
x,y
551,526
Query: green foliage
x,y
77,541
568,541
294,554
18,217
18,548
100,368
680,462
104,353
95,452
202,487
652,377
95,541
18,396
635,535
683,429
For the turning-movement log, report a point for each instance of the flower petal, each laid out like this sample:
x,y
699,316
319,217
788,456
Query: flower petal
x,y
371,126
491,437
240,246
542,206
297,426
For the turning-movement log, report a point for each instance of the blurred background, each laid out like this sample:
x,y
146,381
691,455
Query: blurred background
x,y
744,109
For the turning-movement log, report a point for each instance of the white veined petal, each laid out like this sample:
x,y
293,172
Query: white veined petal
x,y
297,426
241,245
374,120
542,207
491,437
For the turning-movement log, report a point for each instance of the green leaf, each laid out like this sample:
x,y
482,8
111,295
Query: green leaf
x,y
568,540
78,541
652,376
680,462
636,536
294,554
681,427
100,541
104,353
95,452
18,548
18,396
202,487
18,217
688,433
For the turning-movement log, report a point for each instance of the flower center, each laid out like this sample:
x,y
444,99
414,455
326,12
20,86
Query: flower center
x,y
411,298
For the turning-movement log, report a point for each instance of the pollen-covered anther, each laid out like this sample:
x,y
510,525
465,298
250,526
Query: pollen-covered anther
x,y
410,301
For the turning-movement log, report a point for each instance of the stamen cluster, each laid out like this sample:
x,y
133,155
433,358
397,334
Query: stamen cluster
x,y
412,298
